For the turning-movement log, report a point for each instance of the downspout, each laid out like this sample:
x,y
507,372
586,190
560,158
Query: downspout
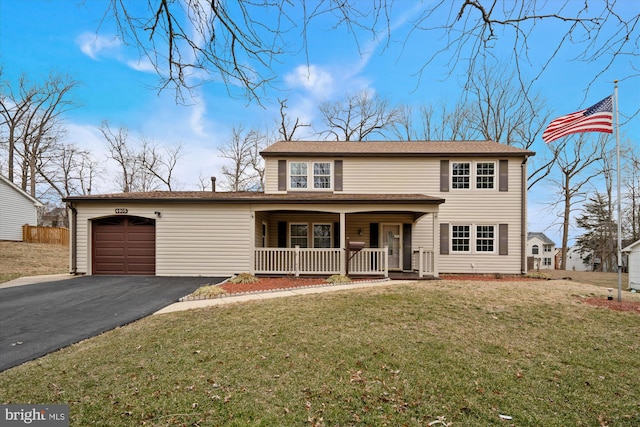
x,y
523,218
73,243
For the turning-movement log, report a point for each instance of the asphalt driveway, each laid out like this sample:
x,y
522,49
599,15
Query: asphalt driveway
x,y
40,318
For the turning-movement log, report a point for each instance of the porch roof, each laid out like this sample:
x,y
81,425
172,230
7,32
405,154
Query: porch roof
x,y
393,149
257,197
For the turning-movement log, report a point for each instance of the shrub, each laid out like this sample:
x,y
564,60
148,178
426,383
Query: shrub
x,y
338,279
244,278
538,275
208,291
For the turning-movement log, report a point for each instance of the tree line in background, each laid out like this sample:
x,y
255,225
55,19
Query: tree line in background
x,y
233,42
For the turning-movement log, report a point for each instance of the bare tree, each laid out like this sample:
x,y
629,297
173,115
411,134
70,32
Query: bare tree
x,y
287,129
233,41
121,151
245,172
577,162
158,163
358,117
31,117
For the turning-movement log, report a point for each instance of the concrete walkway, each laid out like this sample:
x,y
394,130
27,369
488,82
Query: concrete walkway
x,y
189,305
30,280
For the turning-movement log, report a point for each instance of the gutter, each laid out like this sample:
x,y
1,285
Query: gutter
x,y
73,268
523,217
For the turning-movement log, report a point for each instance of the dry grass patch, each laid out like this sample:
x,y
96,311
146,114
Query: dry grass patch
x,y
19,259
461,352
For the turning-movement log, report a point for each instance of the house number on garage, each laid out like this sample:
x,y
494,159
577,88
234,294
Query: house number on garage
x,y
122,210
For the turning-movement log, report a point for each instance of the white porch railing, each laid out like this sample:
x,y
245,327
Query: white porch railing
x,y
426,262
298,261
319,261
370,261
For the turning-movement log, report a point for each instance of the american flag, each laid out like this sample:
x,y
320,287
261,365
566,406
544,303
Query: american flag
x,y
597,118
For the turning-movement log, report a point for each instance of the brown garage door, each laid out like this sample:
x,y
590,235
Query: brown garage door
x,y
124,245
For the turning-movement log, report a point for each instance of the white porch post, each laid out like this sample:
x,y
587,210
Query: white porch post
x,y
343,244
436,244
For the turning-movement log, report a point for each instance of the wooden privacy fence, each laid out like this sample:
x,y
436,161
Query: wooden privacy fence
x,y
50,235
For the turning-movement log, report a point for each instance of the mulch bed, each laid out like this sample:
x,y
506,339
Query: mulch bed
x,y
629,306
272,283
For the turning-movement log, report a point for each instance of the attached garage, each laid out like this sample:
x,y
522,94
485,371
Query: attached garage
x,y
123,245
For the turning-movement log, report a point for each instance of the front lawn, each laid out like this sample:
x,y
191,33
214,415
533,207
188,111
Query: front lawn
x,y
458,353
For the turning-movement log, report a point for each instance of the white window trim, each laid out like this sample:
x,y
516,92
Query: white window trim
x,y
473,174
495,239
291,245
313,236
473,239
310,175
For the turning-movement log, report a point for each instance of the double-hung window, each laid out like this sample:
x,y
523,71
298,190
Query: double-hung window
x,y
485,174
478,175
310,175
460,238
321,235
485,238
299,235
473,238
461,174
298,174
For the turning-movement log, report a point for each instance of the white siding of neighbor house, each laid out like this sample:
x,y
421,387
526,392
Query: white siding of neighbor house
x,y
421,175
16,209
191,239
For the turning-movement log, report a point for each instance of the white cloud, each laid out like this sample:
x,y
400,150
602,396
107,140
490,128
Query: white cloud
x,y
94,45
313,79
143,65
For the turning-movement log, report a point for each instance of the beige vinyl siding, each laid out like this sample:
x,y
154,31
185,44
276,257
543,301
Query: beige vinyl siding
x,y
468,206
271,175
191,239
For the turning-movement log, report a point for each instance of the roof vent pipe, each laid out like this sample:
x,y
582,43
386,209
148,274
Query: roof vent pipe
x,y
213,184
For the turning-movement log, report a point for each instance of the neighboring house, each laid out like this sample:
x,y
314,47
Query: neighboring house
x,y
633,264
17,208
576,260
424,207
540,252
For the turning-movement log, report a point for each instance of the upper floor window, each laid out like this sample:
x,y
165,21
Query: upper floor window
x,y
310,175
535,250
460,175
485,173
482,174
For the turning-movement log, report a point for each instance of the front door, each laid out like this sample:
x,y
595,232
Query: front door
x,y
391,237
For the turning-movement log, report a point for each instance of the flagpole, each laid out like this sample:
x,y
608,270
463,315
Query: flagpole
x,y
615,109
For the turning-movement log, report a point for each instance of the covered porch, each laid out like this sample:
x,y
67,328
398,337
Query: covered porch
x,y
360,240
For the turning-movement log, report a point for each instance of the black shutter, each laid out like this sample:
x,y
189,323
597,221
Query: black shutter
x,y
282,175
374,234
503,239
444,175
282,234
444,239
336,234
337,175
406,246
504,175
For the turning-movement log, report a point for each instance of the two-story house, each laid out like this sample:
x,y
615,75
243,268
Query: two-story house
x,y
363,208
540,252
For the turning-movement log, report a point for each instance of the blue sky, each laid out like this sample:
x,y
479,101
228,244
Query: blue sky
x,y
63,36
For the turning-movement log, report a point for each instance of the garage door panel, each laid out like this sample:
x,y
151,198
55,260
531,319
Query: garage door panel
x,y
124,245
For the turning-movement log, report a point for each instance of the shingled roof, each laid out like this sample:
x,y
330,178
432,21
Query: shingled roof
x,y
257,197
394,149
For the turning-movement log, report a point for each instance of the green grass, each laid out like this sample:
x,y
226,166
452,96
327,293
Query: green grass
x,y
461,352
